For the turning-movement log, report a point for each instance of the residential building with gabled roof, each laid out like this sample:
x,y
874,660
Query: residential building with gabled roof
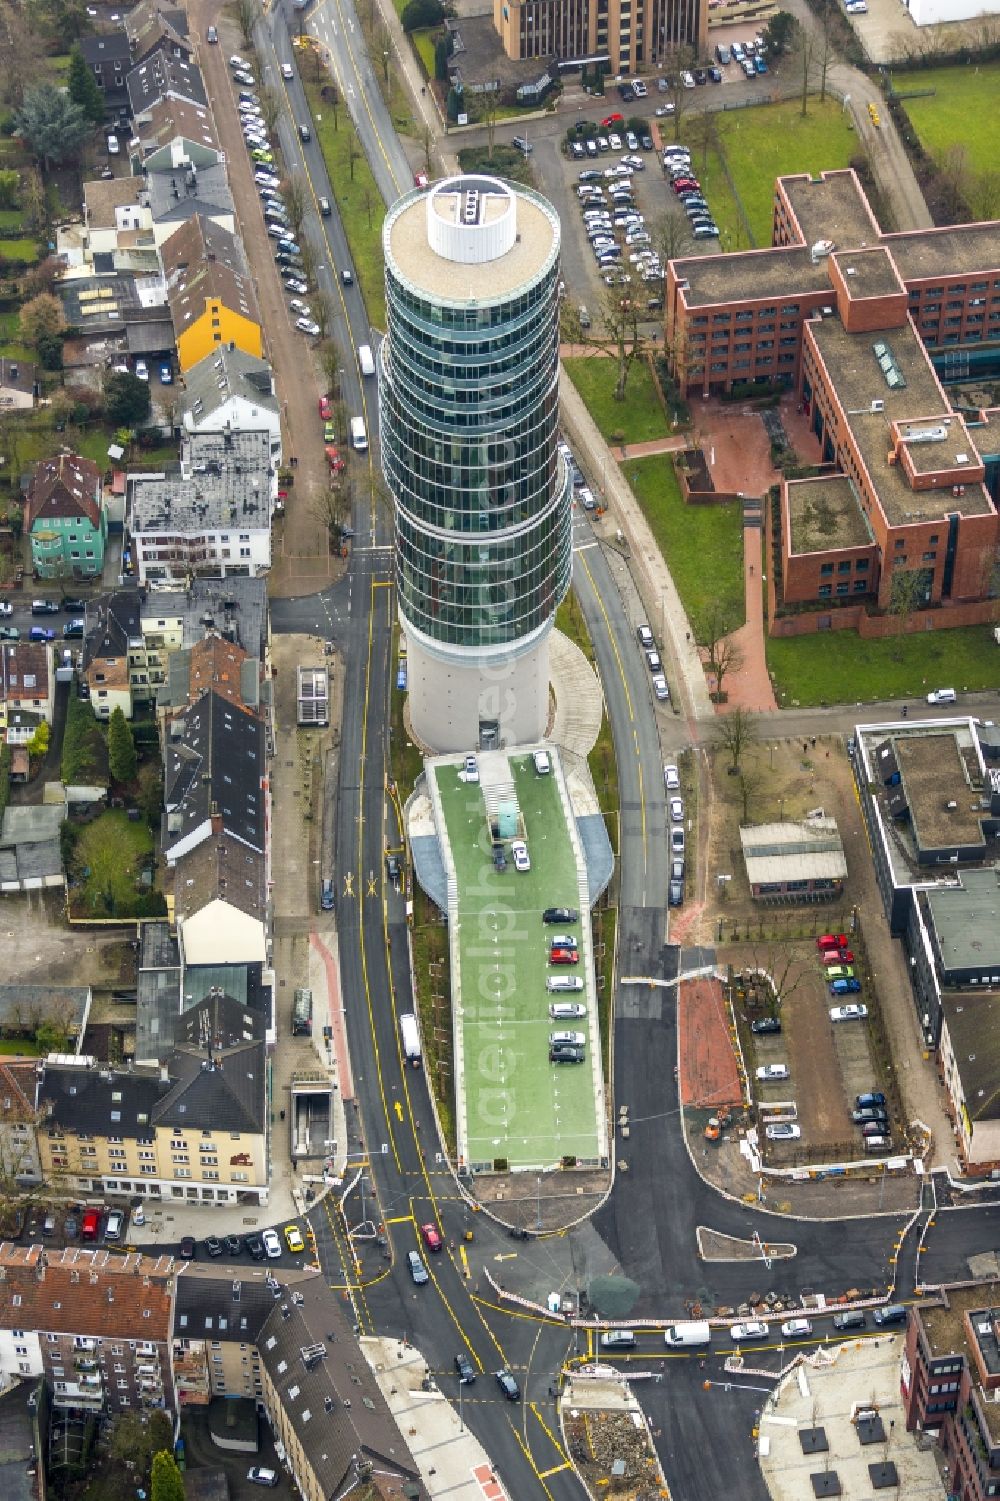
x,y
65,518
209,291
94,1323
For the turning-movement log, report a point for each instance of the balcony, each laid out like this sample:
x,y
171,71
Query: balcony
x,y
92,1401
81,1343
84,1363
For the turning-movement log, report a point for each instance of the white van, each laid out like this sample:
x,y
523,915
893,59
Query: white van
x,y
542,763
365,359
692,1332
942,696
359,435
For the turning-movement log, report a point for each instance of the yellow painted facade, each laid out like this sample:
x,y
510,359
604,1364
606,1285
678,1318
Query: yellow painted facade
x,y
178,1162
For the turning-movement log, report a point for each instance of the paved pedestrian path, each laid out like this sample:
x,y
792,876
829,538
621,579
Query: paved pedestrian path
x,y
579,699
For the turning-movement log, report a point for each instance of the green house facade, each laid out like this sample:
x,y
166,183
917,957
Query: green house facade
x,y
66,519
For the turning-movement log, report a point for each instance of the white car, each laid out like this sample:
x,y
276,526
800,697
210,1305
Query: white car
x,y
567,1011
663,109
113,146
796,1329
272,1245
676,810
567,1039
519,850
751,1330
142,369
615,142
298,306
287,71
850,1013
773,1071
671,778
687,79
307,326
784,1131
6,608
660,689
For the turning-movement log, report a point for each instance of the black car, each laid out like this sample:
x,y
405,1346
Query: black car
x,y
646,141
564,1052
213,1245
255,1246
466,1374
560,914
675,894
765,1024
73,629
74,606
233,1245
44,607
508,1386
187,1247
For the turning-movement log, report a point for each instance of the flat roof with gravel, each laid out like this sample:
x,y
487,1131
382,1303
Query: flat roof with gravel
x,y
512,1104
825,514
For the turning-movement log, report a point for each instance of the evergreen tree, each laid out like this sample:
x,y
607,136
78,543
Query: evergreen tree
x,y
167,1483
83,89
121,750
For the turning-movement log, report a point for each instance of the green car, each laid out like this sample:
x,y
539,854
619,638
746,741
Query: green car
x,y
260,155
840,972
329,433
9,633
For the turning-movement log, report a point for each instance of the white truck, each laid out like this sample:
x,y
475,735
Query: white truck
x,y
410,1033
692,1333
359,435
366,359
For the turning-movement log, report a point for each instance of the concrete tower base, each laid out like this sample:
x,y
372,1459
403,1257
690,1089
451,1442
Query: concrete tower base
x,y
451,704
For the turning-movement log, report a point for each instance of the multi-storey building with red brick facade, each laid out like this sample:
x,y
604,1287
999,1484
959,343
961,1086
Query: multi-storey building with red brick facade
x,y
901,515
950,1378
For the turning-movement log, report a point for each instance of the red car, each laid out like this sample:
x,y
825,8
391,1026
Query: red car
x,y
420,179
325,408
837,956
431,1237
832,941
686,185
611,121
564,956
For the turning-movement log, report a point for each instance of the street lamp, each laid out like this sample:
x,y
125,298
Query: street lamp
x,y
538,1204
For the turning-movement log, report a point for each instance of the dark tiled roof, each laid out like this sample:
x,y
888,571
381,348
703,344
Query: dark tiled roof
x,y
24,671
65,486
97,1294
17,1089
214,761
221,1020
112,621
95,1101
224,1095
202,260
211,1304
311,1355
162,73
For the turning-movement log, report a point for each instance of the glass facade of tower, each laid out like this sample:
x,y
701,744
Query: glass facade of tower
x,y
469,410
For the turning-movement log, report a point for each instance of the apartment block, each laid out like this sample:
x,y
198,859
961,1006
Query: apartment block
x,y
95,1324
949,1378
192,1129
627,35
901,519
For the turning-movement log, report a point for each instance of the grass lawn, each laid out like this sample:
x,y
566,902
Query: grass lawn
x,y
11,220
761,144
838,667
961,113
639,418
358,199
424,43
702,545
25,251
112,851
11,1046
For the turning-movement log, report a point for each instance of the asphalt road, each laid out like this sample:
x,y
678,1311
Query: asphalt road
x,y
648,1224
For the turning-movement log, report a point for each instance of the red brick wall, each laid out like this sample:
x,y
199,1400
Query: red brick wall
x,y
872,627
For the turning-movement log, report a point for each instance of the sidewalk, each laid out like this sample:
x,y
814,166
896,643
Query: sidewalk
x,y
624,524
451,1460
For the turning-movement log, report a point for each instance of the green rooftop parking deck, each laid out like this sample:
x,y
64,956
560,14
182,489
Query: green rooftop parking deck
x,y
513,1106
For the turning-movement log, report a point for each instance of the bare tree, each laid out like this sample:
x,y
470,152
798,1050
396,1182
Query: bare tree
x,y
248,14
736,730
671,236
780,964
322,311
910,590
296,197
331,509
617,334
368,199
331,362
956,181
353,152
984,196
271,106
682,60
750,783
723,652
307,254
488,111
428,145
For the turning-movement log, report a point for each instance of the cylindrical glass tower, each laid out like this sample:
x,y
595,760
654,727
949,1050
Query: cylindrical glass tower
x,y
469,409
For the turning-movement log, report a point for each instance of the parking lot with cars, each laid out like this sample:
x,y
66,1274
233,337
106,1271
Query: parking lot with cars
x,y
812,1068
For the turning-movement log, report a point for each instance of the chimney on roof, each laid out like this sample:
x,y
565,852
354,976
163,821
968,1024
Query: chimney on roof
x,y
217,823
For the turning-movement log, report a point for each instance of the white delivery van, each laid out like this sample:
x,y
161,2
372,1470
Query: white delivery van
x,y
366,359
693,1332
410,1034
359,435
